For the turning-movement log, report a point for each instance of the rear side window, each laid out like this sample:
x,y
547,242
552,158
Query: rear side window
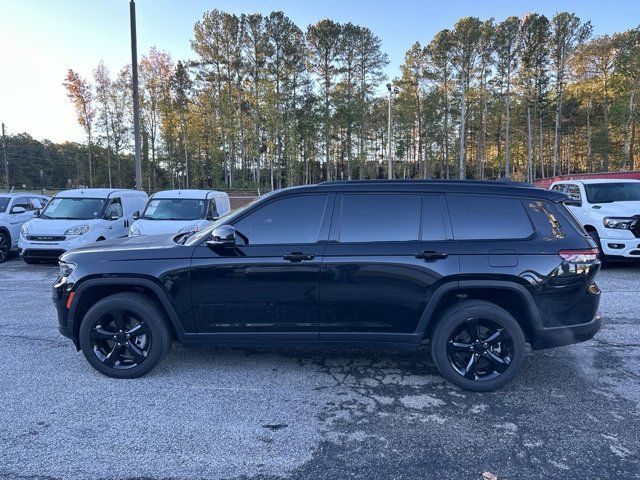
x,y
558,187
488,218
544,216
380,218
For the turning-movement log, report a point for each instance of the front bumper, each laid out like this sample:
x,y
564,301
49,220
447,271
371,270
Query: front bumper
x,y
60,293
48,250
621,246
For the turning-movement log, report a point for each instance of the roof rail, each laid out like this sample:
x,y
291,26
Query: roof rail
x,y
501,181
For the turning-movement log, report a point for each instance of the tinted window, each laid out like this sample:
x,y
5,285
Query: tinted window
x,y
488,218
613,192
380,218
432,218
4,203
544,217
288,220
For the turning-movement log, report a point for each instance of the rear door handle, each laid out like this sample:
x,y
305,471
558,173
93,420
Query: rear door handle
x,y
430,256
297,257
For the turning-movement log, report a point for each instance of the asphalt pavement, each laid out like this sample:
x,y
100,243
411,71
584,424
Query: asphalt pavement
x,y
573,412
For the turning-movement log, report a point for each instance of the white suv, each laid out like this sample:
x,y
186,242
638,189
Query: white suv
x,y
609,210
15,210
75,218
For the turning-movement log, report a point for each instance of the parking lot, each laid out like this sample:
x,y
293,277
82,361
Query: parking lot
x,y
574,412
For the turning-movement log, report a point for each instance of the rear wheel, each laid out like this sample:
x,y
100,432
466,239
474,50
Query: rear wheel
x,y
124,335
478,346
5,246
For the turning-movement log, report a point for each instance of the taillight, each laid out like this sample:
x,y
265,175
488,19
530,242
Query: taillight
x,y
587,255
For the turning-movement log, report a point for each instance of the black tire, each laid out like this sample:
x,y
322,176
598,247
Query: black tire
x,y
5,246
30,261
604,259
125,335
452,356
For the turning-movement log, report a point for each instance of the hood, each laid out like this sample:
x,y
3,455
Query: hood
x,y
617,209
156,227
130,248
46,226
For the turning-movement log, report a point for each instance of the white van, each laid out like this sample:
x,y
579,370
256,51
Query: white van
x,y
74,218
179,211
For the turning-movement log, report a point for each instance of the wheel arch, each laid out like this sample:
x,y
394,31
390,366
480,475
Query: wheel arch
x,y
511,296
93,290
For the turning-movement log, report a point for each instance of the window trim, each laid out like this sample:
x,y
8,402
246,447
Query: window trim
x,y
533,234
325,222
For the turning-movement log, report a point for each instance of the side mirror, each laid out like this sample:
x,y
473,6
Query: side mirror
x,y
113,216
18,210
136,215
223,236
572,202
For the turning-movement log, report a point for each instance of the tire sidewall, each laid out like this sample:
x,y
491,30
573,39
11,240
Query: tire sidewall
x,y
147,312
8,243
456,316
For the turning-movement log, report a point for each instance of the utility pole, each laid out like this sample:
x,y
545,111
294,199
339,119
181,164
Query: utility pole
x,y
136,103
4,154
392,91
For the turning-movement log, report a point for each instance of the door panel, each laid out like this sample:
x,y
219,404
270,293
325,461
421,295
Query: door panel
x,y
265,287
384,286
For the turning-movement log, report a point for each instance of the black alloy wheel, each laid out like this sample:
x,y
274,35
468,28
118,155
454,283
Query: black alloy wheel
x,y
4,247
480,349
478,345
120,339
125,335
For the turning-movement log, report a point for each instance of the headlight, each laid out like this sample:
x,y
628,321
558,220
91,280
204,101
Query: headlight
x,y
66,269
24,230
623,223
134,231
191,228
79,230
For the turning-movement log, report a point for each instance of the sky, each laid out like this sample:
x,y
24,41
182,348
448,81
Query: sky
x,y
41,39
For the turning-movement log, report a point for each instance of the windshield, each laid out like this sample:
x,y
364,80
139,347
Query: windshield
x,y
4,203
74,208
175,209
229,216
613,192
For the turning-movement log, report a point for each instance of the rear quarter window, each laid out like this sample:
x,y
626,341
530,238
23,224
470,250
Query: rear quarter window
x,y
476,217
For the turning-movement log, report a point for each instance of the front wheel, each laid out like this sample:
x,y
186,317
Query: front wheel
x,y
124,335
5,246
478,346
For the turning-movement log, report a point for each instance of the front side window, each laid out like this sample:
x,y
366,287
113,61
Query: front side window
x,y
175,209
74,208
380,218
23,202
212,212
4,203
488,218
115,209
38,202
283,221
613,192
574,192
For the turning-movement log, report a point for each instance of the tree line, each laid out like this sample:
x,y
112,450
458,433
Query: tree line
x,y
263,104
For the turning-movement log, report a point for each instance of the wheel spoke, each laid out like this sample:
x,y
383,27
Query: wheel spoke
x,y
139,329
113,356
99,333
457,347
118,318
473,328
498,364
470,369
498,336
138,355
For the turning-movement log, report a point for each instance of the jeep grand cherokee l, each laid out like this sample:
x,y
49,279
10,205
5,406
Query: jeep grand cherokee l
x,y
475,269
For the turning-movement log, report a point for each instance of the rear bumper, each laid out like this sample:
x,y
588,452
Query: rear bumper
x,y
566,335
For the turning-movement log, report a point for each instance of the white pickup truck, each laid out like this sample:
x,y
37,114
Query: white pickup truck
x,y
609,210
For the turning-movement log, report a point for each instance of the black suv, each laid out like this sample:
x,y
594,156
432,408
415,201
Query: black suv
x,y
476,269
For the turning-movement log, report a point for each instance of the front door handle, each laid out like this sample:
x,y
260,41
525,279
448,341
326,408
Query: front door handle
x,y
430,256
297,257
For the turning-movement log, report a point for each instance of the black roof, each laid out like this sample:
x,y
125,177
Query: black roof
x,y
503,187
